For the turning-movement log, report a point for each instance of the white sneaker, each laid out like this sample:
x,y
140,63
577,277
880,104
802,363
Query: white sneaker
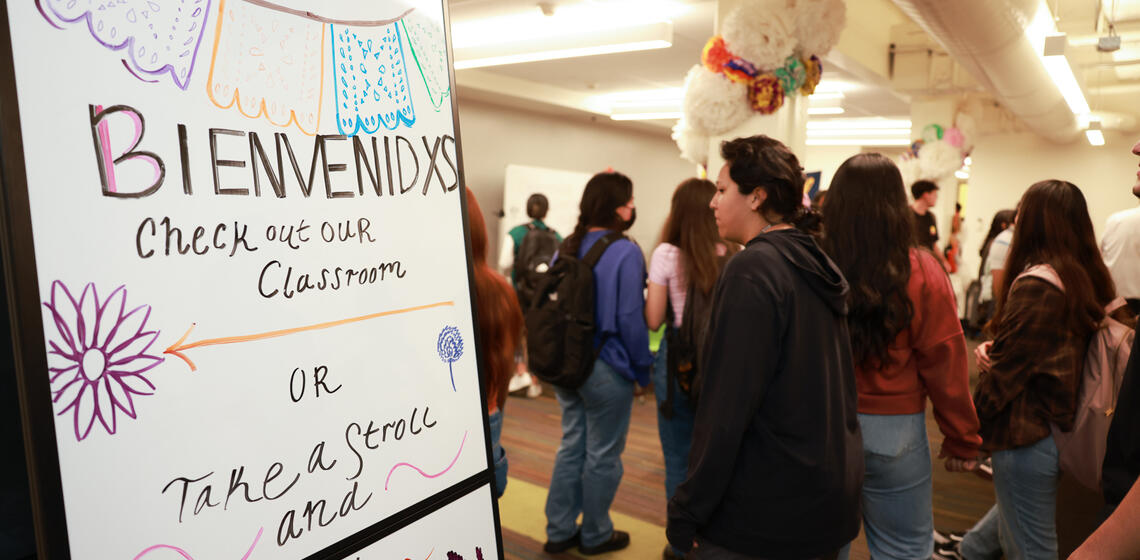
x,y
534,390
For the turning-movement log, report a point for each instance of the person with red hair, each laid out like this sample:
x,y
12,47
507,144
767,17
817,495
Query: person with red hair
x,y
500,334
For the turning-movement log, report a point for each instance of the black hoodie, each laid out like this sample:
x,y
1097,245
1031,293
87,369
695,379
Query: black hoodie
x,y
776,465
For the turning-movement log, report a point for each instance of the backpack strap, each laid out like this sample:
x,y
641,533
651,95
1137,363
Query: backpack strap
x,y
595,253
1042,272
1114,305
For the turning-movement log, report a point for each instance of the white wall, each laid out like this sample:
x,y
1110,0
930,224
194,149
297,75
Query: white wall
x,y
1005,165
493,136
826,159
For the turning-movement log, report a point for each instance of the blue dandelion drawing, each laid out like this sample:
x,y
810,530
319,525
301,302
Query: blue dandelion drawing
x,y
450,348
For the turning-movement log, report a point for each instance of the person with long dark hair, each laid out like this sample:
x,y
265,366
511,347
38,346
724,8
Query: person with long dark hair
x,y
994,251
777,461
687,262
500,334
1031,369
595,417
908,345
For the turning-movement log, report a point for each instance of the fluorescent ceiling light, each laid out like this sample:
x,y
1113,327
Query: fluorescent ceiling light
x,y
1094,134
858,141
646,116
1050,46
962,174
818,96
587,43
814,132
568,19
825,110
858,123
833,86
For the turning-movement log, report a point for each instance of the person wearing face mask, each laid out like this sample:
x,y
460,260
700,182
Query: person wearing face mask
x,y
776,465
595,416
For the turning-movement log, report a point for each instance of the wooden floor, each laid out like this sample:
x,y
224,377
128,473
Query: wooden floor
x,y
531,434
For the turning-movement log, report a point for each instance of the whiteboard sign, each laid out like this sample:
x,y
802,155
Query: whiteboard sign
x,y
234,237
563,189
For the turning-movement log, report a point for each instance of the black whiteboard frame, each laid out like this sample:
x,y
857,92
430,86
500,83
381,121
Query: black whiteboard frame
x,y
38,419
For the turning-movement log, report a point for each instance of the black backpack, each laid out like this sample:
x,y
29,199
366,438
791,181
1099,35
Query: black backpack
x,y
532,261
560,321
685,346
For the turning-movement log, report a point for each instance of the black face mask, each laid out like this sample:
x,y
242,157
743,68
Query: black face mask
x,y
632,218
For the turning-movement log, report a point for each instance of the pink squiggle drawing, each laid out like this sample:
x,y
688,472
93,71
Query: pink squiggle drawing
x,y
187,556
424,474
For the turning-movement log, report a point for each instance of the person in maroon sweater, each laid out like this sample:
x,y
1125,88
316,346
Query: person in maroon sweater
x,y
908,346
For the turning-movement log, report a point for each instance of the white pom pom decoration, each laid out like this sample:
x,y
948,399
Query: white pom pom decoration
x,y
761,32
938,160
818,25
910,170
714,104
694,145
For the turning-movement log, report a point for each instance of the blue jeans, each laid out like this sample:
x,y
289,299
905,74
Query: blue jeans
x,y
676,433
1025,482
498,454
983,541
587,468
897,508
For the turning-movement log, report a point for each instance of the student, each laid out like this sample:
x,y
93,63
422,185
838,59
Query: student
x,y
500,334
925,225
994,251
1030,371
908,345
776,465
687,261
1121,248
537,206
595,417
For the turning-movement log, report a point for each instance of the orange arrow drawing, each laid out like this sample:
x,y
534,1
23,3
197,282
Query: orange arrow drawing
x,y
177,348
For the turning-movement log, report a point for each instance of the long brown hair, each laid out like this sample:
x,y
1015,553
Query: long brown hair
x,y
1054,228
497,307
691,227
869,233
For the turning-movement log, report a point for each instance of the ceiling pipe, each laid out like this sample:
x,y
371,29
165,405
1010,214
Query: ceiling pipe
x,y
988,39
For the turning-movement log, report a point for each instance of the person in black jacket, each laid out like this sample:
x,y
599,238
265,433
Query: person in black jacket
x,y
776,465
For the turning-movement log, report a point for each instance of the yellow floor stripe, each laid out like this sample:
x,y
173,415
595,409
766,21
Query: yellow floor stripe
x,y
521,509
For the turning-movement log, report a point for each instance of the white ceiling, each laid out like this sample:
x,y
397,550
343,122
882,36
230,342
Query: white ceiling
x,y
1112,81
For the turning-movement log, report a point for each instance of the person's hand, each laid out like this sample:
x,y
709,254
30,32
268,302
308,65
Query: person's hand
x,y
639,391
982,356
959,464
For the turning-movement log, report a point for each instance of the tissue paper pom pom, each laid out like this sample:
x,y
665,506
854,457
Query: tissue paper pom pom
x,y
938,160
818,24
953,137
714,55
761,32
713,103
932,132
910,170
792,75
694,146
813,71
766,94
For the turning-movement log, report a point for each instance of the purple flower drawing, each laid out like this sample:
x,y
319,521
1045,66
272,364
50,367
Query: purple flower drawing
x,y
98,356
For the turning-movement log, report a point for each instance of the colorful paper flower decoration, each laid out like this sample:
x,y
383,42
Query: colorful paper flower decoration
x,y
813,72
766,94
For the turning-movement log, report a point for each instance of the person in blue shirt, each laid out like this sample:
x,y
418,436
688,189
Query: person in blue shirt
x,y
595,417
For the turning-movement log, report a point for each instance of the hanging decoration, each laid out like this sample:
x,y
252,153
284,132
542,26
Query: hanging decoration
x,y
769,50
938,154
